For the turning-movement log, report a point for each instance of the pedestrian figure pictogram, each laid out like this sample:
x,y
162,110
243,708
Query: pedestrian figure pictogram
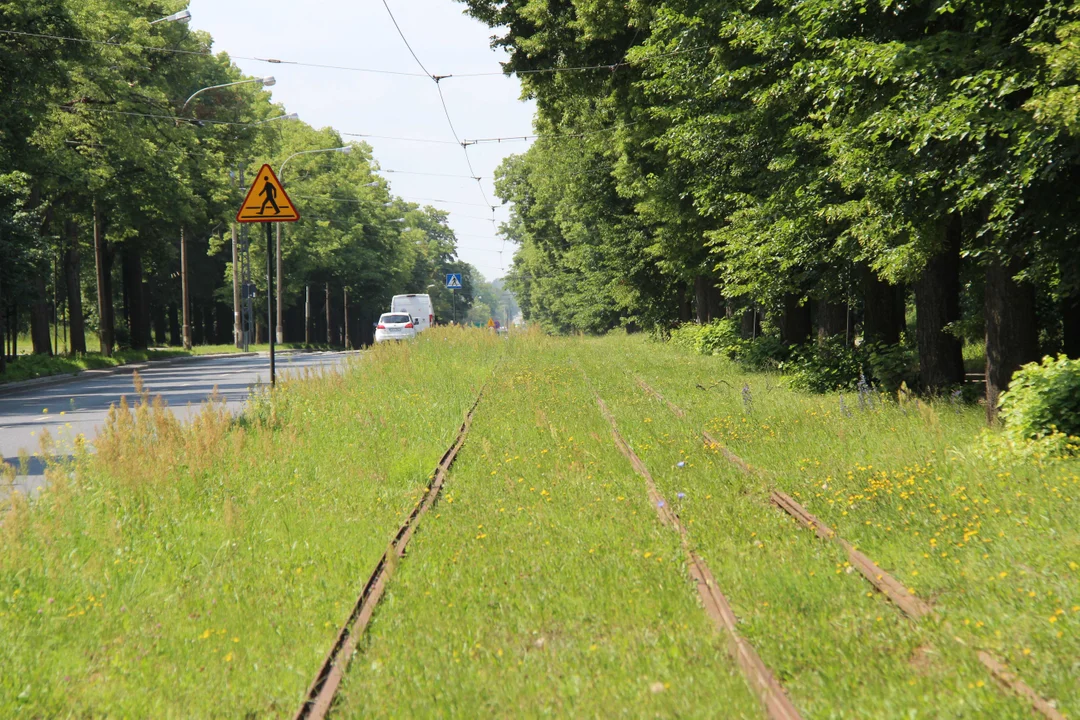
x,y
267,201
270,192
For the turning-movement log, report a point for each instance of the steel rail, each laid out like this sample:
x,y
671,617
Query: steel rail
x,y
910,605
323,689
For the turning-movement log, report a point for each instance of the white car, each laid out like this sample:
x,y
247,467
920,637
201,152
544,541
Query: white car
x,y
395,326
417,306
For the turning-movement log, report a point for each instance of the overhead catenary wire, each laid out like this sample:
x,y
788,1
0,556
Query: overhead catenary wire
x,y
520,138
345,68
403,197
442,101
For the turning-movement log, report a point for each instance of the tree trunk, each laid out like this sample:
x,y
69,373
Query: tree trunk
x,y
195,327
1012,335
831,319
175,336
1070,335
14,328
209,331
883,316
103,258
39,317
3,323
715,301
74,290
796,322
937,303
136,302
701,298
157,322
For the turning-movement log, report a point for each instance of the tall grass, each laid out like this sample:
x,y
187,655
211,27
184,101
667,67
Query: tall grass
x,y
542,583
991,539
201,569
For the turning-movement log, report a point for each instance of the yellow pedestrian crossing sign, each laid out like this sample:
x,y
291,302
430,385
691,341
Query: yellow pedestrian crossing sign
x,y
267,201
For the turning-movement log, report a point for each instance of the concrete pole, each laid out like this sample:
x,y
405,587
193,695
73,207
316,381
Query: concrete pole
x,y
348,345
184,288
238,340
280,297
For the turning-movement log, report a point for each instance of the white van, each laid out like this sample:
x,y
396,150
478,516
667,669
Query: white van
x,y
419,308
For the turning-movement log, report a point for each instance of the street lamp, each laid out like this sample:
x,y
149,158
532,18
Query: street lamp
x,y
266,82
290,116
184,16
279,329
343,150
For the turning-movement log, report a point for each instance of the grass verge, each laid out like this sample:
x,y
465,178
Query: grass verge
x,y
202,570
992,543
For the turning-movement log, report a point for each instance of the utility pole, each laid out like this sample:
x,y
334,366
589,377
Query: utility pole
x,y
237,324
184,288
348,345
105,320
307,315
280,300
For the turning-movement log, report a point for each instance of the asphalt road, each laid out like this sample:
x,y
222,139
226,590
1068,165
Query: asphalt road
x,y
80,406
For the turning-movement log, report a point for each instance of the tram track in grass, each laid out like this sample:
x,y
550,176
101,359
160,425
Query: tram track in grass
x,y
759,677
323,689
905,601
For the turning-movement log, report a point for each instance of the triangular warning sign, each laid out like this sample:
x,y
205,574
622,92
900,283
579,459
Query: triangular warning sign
x,y
266,201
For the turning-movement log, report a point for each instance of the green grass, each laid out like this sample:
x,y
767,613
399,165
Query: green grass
x,y
993,547
28,367
543,584
203,572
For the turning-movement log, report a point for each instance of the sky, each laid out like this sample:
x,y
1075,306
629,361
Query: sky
x,y
360,34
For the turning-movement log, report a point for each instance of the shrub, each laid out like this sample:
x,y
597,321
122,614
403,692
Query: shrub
x,y
719,337
687,336
1043,399
824,366
765,352
892,365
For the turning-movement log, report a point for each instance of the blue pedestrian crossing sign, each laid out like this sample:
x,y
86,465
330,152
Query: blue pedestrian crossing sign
x,y
453,281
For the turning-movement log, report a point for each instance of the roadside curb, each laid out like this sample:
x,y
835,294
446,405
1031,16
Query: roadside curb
x,y
128,368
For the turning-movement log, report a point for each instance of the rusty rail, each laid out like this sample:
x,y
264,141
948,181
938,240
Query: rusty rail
x,y
768,689
892,588
324,687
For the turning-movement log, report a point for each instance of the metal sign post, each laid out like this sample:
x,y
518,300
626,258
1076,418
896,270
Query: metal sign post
x,y
266,193
453,284
270,300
